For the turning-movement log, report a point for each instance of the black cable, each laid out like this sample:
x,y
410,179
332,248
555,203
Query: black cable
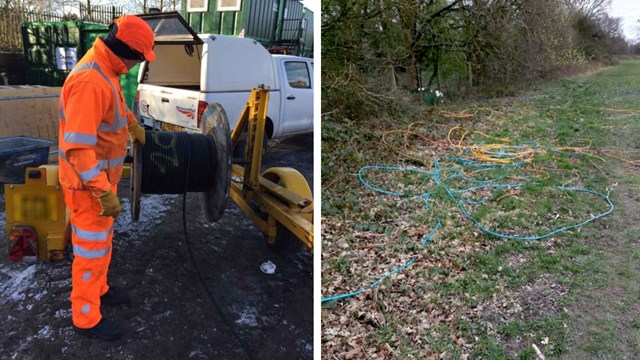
x,y
165,159
244,346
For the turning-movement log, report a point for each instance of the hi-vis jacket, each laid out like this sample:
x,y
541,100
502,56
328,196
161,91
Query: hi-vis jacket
x,y
93,119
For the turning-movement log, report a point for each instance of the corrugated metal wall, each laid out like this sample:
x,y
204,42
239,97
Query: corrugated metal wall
x,y
264,20
217,22
291,18
262,16
307,48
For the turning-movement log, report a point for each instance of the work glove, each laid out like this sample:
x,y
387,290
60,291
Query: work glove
x,y
136,133
110,204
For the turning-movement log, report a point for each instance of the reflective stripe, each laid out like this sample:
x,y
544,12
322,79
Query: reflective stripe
x,y
102,164
89,235
118,121
90,174
86,276
80,138
117,125
83,67
90,254
107,164
86,308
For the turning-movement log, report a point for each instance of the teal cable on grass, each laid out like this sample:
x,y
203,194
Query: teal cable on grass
x,y
440,183
397,269
436,178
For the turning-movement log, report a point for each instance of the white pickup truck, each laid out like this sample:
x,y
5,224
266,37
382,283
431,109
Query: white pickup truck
x,y
193,70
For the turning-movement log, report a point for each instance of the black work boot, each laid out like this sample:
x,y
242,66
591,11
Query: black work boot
x,y
105,330
115,296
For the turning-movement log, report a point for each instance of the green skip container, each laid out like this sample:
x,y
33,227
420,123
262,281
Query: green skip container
x,y
52,48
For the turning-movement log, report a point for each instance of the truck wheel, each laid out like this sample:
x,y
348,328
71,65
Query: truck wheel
x,y
238,151
293,181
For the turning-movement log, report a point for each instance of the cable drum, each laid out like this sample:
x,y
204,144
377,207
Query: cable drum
x,y
169,159
181,162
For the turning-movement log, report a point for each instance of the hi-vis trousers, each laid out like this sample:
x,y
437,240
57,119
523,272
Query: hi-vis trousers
x,y
91,236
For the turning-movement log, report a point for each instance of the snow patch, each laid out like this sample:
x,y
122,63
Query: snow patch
x,y
65,314
163,315
40,295
17,282
248,317
152,209
196,353
44,333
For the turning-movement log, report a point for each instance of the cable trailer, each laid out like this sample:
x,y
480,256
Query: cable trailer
x,y
278,200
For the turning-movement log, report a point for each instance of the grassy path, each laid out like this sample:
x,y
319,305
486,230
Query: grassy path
x,y
604,303
470,295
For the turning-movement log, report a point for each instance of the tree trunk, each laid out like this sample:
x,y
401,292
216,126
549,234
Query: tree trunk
x,y
394,78
412,72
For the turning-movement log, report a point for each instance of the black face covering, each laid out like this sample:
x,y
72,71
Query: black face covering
x,y
120,48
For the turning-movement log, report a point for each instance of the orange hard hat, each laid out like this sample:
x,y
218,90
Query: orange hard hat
x,y
137,34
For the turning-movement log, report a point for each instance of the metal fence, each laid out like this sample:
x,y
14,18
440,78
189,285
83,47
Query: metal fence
x,y
11,20
103,14
29,111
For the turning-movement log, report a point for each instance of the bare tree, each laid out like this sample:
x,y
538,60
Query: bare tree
x,y
29,5
636,32
143,6
373,48
72,6
592,9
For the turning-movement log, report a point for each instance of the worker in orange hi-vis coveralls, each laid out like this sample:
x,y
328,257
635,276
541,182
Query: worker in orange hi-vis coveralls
x,y
94,123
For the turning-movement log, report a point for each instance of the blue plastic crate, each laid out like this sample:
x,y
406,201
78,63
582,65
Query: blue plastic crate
x,y
20,152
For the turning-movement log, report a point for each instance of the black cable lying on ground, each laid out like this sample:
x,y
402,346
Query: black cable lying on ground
x,y
187,178
167,159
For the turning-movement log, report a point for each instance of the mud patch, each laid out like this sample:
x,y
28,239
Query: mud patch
x,y
532,301
540,298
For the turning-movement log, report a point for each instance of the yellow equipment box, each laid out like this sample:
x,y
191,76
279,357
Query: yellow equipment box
x,y
39,205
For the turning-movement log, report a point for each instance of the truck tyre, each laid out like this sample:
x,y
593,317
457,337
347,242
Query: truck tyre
x,y
238,151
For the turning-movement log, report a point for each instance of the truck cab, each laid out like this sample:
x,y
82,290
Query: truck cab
x,y
193,70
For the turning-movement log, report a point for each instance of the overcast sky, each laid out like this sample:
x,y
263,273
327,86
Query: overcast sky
x,y
313,5
629,11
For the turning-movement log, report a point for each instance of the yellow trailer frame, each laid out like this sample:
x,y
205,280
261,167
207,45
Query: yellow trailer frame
x,y
279,201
